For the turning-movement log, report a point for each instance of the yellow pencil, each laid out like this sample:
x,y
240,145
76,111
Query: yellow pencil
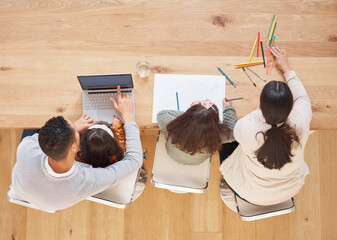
x,y
272,29
248,63
242,65
251,53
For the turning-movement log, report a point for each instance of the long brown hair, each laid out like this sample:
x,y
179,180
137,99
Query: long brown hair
x,y
98,148
197,130
276,102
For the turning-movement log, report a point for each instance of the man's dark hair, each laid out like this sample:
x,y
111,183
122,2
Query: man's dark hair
x,y
276,102
55,138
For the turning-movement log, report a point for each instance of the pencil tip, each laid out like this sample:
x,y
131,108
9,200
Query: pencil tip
x,y
254,84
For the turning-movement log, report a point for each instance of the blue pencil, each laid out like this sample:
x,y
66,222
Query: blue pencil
x,y
271,55
177,100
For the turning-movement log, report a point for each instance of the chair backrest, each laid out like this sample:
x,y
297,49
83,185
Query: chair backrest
x,y
176,177
14,198
121,194
251,212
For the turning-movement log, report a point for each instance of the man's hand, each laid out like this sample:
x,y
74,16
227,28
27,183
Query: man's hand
x,y
83,123
281,59
124,106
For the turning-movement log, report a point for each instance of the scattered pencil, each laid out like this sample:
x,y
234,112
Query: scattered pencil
x,y
258,40
241,65
226,76
177,100
251,53
272,57
248,76
256,74
267,67
272,32
264,62
233,99
271,24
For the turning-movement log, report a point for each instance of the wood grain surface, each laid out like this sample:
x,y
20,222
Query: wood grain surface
x,y
45,44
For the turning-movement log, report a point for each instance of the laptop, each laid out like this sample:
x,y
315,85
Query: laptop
x,y
97,91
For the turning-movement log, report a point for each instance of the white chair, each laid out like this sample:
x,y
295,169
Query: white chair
x,y
123,193
14,198
176,177
250,212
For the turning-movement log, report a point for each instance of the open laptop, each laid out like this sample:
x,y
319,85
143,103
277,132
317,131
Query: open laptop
x,y
97,90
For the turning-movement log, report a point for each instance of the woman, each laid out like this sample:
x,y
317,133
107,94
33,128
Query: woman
x,y
102,144
193,136
268,166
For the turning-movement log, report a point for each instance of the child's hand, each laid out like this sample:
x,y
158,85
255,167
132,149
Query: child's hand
x,y
226,104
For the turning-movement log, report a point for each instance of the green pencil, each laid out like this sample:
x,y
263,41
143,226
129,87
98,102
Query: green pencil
x,y
272,21
226,76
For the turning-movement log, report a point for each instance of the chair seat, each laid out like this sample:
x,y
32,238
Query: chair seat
x,y
121,194
250,212
14,198
171,175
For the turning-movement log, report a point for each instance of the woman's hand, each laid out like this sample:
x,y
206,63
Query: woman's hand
x,y
281,59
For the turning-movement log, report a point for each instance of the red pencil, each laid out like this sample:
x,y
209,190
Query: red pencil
x,y
258,40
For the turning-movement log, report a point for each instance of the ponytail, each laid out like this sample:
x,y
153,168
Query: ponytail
x,y
276,150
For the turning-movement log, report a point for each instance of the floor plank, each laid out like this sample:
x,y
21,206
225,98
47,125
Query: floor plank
x,y
160,214
328,180
12,217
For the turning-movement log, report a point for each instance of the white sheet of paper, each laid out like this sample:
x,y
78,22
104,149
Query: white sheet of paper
x,y
190,88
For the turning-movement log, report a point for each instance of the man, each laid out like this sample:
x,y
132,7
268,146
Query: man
x,y
46,174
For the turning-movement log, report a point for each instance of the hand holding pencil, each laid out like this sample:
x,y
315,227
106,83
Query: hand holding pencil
x,y
281,59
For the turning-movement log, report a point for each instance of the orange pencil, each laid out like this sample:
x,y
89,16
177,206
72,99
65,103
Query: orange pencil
x,y
271,65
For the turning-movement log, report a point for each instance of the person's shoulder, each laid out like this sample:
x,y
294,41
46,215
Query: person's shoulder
x,y
248,126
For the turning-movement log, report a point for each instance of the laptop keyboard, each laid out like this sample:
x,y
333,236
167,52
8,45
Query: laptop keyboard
x,y
101,100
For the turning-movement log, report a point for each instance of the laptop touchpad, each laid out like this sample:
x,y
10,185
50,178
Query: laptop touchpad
x,y
105,115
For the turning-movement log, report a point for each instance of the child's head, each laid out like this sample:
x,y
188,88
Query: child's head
x,y
276,102
98,147
198,129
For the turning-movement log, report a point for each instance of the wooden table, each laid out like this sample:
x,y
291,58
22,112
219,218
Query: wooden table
x,y
44,45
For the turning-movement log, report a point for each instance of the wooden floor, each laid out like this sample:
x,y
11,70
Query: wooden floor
x,y
160,214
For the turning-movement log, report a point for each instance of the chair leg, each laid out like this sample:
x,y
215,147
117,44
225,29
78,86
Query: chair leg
x,y
141,183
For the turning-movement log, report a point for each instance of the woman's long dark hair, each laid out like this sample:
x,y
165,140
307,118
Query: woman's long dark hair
x,y
98,148
276,102
197,130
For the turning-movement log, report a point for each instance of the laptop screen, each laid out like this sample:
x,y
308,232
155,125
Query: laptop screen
x,y
105,81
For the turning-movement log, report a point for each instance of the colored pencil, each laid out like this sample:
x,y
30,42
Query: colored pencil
x,y
248,63
249,77
272,35
256,74
233,99
177,100
273,28
258,40
267,60
272,58
226,76
271,24
264,62
241,65
251,53
273,44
